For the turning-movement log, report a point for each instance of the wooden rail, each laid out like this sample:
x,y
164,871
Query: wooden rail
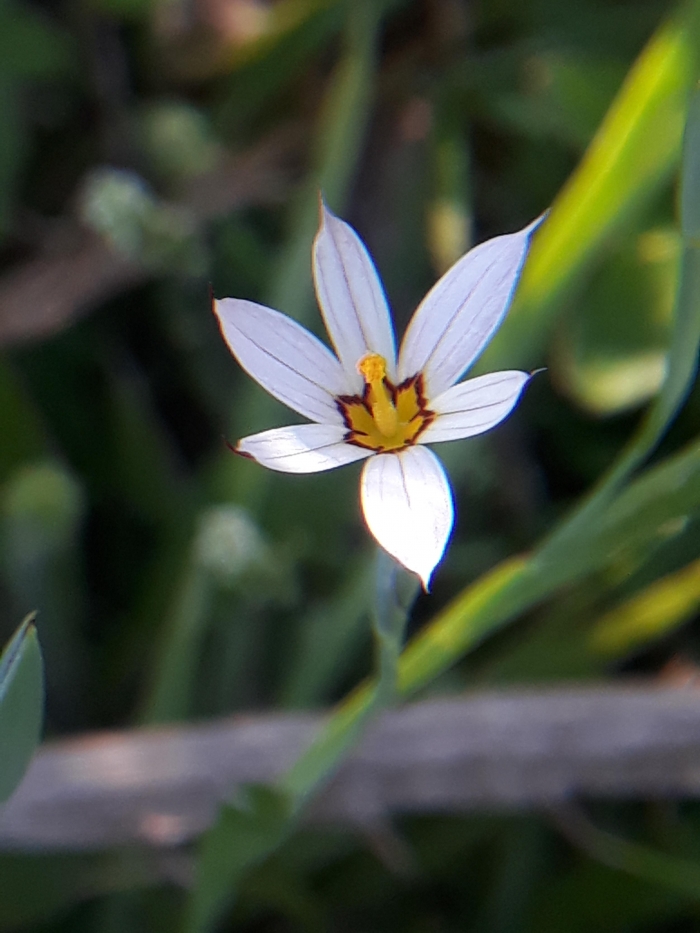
x,y
511,749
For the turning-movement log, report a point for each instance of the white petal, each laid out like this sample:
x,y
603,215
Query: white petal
x,y
301,448
351,297
407,503
284,358
460,313
474,406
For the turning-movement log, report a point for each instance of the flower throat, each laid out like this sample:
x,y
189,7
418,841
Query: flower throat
x,y
385,417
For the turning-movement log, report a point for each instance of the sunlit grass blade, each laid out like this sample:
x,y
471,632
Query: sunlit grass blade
x,y
648,615
631,156
651,509
608,519
682,360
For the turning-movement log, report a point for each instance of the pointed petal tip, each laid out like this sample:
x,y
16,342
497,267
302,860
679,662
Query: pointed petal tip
x,y
325,214
217,310
351,297
474,406
239,452
536,223
236,449
218,306
424,574
460,314
322,208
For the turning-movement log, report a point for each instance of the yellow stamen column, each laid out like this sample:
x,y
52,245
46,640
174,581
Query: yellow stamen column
x,y
381,403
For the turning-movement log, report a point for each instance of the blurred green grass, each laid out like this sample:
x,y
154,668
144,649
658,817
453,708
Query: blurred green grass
x,y
175,582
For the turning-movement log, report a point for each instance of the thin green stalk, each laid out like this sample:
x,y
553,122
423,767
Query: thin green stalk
x,y
395,591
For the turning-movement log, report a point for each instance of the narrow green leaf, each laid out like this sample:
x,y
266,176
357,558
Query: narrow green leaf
x,y
681,367
242,836
631,156
649,614
342,125
21,705
170,694
655,506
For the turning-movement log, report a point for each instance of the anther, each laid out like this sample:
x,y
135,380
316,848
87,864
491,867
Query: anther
x,y
373,370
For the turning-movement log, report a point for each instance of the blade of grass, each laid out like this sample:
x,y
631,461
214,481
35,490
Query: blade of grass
x,y
631,156
648,615
681,363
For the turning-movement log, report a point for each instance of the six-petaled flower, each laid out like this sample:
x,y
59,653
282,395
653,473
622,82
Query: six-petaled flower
x,y
369,403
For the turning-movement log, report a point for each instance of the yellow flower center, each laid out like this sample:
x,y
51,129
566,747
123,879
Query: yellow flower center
x,y
385,417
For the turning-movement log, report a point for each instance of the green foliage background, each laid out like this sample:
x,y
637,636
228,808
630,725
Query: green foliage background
x,y
150,148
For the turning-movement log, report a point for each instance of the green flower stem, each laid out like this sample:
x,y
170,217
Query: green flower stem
x,y
264,817
395,592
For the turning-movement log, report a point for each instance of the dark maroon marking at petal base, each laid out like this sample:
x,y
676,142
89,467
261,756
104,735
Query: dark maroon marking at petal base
x,y
237,452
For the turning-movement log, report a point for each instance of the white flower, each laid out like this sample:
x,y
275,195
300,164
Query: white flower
x,y
368,404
